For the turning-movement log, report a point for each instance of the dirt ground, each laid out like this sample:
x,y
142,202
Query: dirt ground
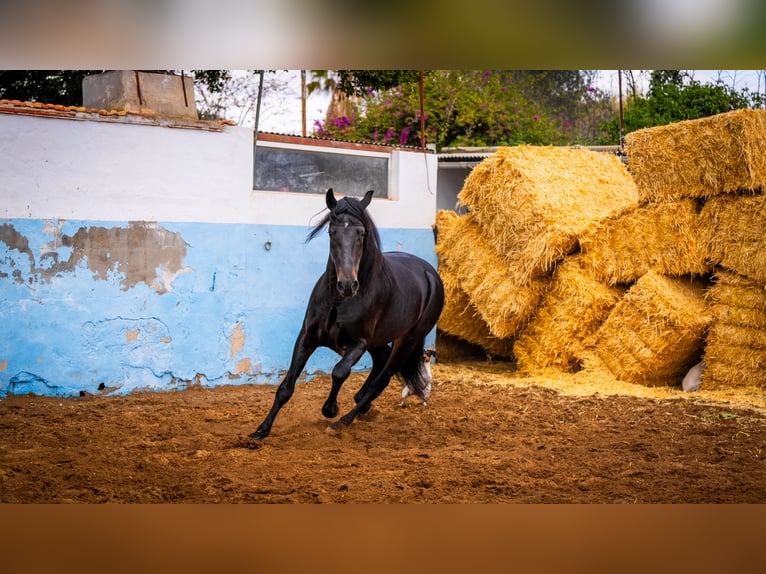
x,y
479,440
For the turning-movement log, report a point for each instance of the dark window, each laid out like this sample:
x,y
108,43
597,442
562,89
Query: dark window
x,y
313,171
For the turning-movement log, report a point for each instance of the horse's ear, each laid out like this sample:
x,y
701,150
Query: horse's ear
x,y
366,199
330,200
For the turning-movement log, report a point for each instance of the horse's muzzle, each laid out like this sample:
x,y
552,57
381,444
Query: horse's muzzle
x,y
348,287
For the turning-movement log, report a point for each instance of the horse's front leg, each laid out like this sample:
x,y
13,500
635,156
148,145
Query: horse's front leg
x,y
304,347
340,373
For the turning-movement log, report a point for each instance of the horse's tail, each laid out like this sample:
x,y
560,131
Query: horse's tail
x,y
415,373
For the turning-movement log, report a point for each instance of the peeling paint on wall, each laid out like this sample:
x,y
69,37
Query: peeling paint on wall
x,y
243,366
237,340
84,307
141,253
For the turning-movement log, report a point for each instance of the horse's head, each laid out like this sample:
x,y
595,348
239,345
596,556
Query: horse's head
x,y
349,228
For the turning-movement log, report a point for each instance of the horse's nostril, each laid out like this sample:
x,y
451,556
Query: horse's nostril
x,y
347,288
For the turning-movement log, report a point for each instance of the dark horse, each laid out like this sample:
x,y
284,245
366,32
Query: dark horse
x,y
365,301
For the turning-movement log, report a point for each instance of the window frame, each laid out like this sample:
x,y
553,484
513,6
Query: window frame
x,y
354,150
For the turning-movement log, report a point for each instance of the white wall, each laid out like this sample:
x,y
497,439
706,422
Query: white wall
x,y
80,169
102,170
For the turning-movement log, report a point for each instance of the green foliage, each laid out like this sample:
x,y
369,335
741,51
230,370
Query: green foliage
x,y
48,86
462,108
672,97
359,82
215,80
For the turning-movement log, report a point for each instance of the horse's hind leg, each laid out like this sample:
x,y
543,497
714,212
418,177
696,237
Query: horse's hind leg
x,y
379,358
340,373
376,385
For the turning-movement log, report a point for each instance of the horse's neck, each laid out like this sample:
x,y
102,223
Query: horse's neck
x,y
371,265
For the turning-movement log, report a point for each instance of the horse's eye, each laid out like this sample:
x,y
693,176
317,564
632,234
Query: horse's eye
x,y
362,233
331,232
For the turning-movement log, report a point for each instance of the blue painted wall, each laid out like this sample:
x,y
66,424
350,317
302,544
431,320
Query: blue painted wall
x,y
228,313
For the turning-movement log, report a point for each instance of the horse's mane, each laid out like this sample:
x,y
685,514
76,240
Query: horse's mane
x,y
354,208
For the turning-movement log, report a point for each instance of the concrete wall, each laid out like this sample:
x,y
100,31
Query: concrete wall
x,y
138,256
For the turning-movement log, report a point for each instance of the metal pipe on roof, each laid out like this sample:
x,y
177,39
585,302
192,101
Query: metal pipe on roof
x,y
257,114
183,87
422,115
622,127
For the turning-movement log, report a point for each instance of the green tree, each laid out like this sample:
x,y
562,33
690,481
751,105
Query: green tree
x,y
462,108
570,97
49,86
360,82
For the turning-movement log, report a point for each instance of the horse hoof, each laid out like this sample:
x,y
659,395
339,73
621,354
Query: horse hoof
x,y
332,430
368,415
330,412
253,440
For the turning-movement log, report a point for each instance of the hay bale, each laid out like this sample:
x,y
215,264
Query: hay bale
x,y
734,229
654,334
735,347
460,319
504,299
699,158
661,237
532,202
572,310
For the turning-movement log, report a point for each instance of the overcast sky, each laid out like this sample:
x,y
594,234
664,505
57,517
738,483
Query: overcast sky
x,y
738,79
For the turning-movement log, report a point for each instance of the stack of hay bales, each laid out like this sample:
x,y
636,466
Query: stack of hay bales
x,y
527,206
571,262
571,311
721,160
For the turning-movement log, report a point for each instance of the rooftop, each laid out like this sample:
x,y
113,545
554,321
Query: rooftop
x,y
40,109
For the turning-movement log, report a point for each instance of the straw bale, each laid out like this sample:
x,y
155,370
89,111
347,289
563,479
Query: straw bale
x,y
660,237
460,319
532,202
734,229
502,297
654,334
699,158
737,291
735,347
572,310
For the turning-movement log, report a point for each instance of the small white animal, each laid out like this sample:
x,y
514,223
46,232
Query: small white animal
x,y
693,378
408,390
